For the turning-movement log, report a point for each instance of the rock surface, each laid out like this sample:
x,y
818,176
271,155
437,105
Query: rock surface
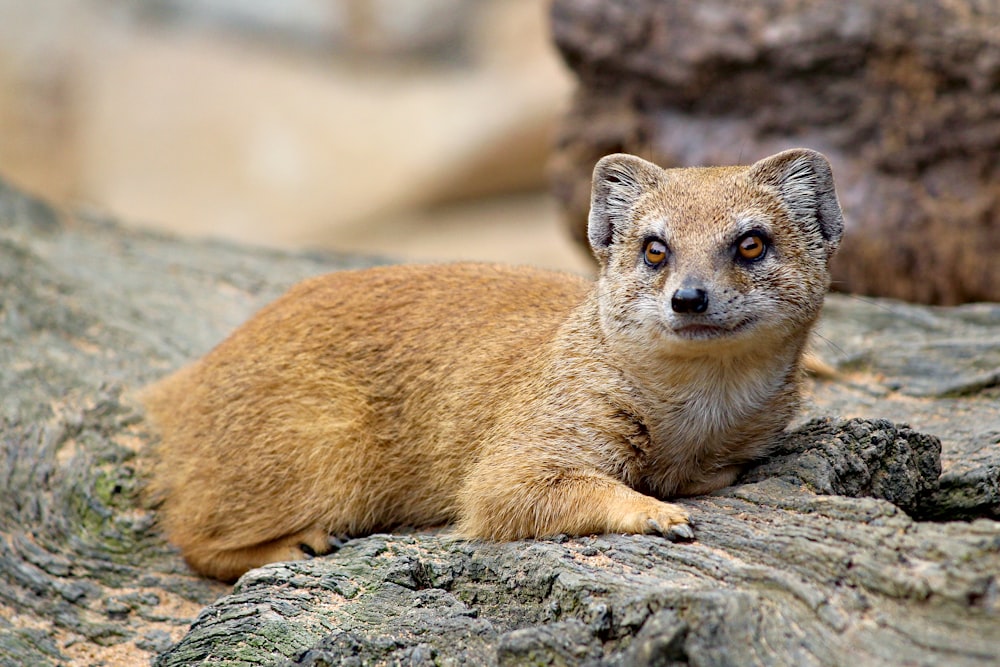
x,y
843,547
901,96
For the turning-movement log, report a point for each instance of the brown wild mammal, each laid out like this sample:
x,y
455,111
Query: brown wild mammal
x,y
512,401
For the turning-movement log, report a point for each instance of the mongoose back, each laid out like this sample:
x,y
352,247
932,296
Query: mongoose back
x,y
512,402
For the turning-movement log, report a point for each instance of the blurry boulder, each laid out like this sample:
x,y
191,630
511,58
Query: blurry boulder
x,y
903,97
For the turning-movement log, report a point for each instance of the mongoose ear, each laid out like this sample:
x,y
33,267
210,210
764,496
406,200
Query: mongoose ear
x,y
619,180
805,182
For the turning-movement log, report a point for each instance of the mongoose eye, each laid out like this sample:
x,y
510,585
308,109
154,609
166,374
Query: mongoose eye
x,y
751,246
654,252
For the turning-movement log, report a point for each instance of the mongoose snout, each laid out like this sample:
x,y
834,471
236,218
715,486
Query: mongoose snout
x,y
689,300
510,402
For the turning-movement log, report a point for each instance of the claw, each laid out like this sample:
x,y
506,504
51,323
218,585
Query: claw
x,y
337,541
680,532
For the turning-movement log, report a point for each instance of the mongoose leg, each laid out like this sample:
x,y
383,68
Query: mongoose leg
x,y
575,503
713,482
229,564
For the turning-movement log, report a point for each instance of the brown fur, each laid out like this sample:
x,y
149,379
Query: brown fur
x,y
515,402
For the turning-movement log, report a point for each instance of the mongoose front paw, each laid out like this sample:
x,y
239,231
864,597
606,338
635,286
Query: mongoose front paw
x,y
307,544
331,543
654,516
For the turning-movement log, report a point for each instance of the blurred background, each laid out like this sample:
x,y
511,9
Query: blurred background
x,y
451,129
412,130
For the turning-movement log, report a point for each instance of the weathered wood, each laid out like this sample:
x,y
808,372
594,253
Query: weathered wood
x,y
787,568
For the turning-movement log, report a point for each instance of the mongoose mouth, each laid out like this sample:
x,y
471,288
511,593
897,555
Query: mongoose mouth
x,y
709,331
701,332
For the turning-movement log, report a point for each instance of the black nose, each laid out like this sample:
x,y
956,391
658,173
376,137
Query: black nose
x,y
689,300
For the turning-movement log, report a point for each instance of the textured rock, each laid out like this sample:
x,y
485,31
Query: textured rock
x,y
901,96
937,369
816,557
859,458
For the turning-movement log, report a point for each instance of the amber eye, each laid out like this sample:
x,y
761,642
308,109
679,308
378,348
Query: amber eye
x,y
751,246
655,252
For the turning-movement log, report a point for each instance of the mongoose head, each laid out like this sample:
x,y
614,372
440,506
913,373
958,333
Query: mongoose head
x,y
701,259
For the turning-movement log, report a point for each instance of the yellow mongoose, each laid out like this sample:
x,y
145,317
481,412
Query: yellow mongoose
x,y
512,401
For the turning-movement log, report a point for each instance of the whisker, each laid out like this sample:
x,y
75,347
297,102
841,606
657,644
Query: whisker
x,y
838,349
871,301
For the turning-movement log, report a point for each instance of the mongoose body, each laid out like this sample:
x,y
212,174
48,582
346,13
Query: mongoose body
x,y
512,402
